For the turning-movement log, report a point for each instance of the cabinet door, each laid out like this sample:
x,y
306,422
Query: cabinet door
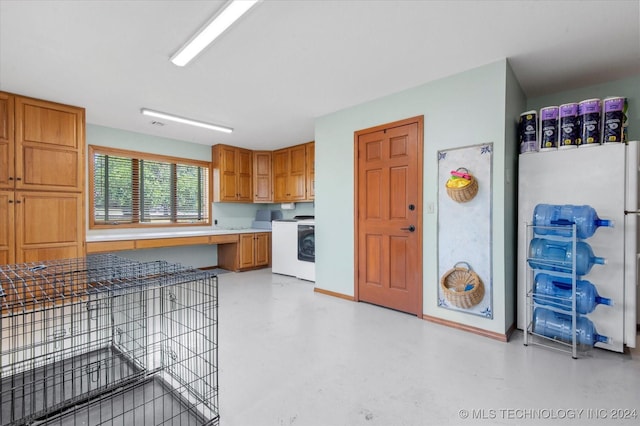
x,y
227,173
49,225
296,185
49,149
244,158
311,171
262,192
6,141
262,249
280,175
232,173
246,251
7,243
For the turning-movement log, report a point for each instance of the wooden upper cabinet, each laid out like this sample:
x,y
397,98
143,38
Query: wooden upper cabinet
x,y
262,181
311,170
289,174
6,141
245,175
281,176
49,146
232,173
298,173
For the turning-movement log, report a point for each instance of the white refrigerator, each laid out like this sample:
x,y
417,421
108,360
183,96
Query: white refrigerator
x,y
606,178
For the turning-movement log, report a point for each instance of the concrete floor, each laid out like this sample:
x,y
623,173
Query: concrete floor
x,y
289,356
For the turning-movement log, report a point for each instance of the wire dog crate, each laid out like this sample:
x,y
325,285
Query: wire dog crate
x,y
104,340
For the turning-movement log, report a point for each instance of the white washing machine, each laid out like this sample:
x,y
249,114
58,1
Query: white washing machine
x,y
293,247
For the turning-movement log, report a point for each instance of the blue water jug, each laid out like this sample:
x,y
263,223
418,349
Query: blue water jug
x,y
556,292
552,255
585,218
558,326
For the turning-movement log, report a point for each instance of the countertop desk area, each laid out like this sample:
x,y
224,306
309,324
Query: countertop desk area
x,y
112,242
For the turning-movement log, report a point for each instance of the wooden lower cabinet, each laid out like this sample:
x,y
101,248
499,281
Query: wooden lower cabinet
x,y
252,251
7,233
48,225
37,226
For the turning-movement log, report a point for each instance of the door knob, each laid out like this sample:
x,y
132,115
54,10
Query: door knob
x,y
411,228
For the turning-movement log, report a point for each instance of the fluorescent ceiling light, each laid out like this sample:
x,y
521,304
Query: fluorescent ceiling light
x,y
230,13
178,119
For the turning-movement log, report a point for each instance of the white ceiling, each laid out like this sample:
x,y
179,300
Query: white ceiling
x,y
288,62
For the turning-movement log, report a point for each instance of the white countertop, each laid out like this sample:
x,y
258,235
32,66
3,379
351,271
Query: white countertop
x,y
147,234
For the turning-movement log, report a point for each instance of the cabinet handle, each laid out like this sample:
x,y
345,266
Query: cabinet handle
x,y
18,201
10,177
18,178
10,201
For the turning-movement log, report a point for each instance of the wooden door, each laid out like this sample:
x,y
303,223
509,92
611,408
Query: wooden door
x,y
6,141
262,192
49,225
49,149
244,175
7,227
311,171
389,216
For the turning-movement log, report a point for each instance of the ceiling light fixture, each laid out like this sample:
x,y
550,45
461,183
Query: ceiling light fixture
x,y
231,12
178,119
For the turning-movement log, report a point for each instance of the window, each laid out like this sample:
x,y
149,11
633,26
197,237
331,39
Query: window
x,y
137,189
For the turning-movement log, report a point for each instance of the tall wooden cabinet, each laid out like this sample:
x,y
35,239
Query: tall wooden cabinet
x,y
289,174
262,182
41,180
232,173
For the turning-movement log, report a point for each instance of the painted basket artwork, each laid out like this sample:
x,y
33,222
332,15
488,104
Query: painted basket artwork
x,y
462,286
462,186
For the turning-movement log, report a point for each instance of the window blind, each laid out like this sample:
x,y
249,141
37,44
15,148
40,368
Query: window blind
x,y
135,190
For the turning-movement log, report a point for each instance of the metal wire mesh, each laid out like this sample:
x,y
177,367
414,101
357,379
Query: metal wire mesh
x,y
104,340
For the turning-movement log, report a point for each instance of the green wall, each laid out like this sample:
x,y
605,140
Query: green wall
x,y
461,110
122,139
515,104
